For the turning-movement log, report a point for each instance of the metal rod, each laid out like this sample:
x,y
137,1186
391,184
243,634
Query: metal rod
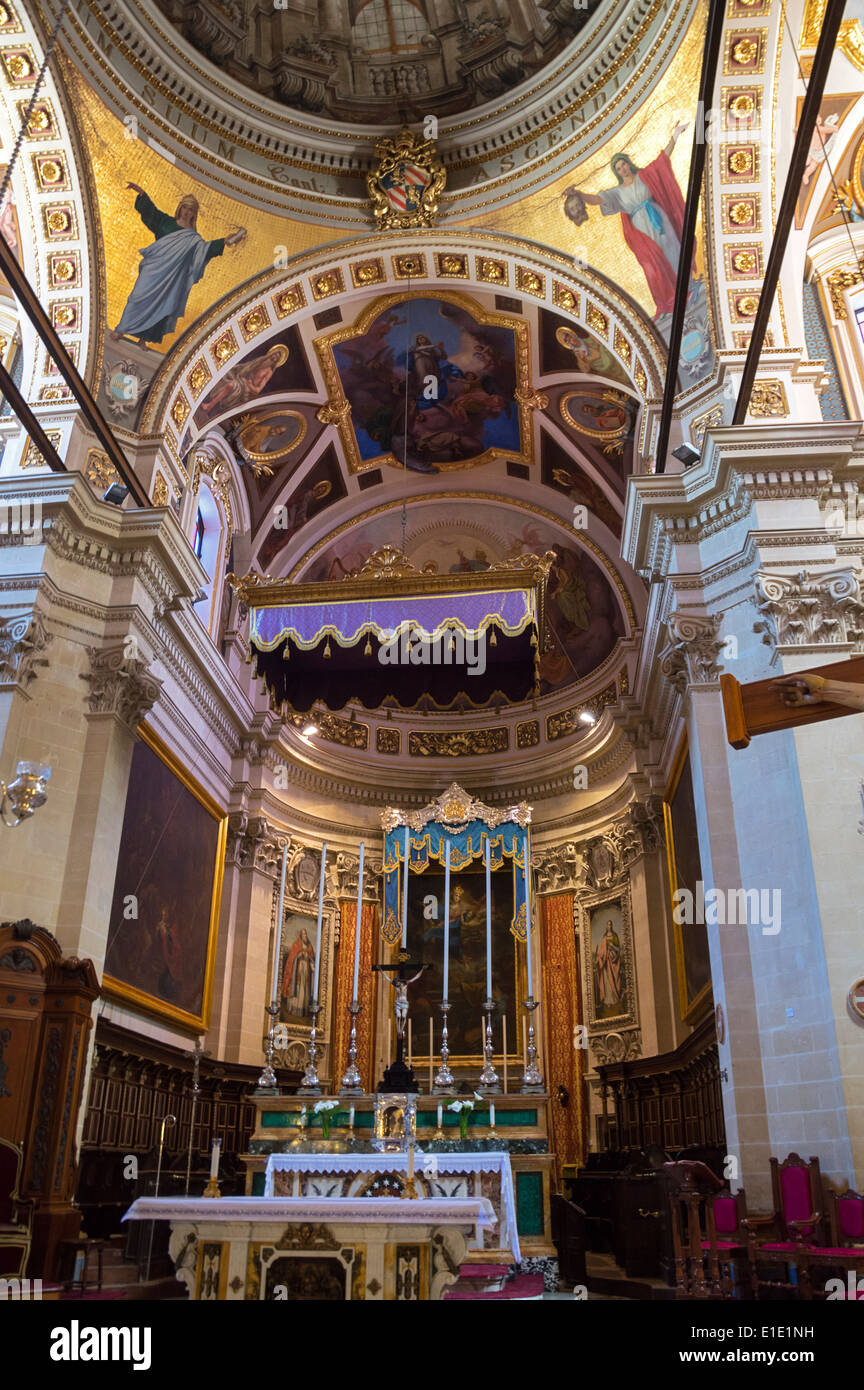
x,y
31,425
166,1120
711,54
791,191
25,295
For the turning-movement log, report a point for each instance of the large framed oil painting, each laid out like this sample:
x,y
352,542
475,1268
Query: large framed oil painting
x,y
433,383
165,910
692,957
467,983
607,947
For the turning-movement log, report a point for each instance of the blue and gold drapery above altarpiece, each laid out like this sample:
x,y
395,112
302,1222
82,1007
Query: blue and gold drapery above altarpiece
x,y
468,826
374,635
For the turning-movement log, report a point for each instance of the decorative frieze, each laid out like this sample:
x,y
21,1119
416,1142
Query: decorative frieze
x,y
600,860
823,611
616,1047
122,686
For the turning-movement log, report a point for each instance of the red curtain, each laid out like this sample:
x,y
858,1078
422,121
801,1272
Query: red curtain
x,y
562,996
365,993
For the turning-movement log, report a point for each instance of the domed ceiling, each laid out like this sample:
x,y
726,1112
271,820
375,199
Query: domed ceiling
x,y
375,61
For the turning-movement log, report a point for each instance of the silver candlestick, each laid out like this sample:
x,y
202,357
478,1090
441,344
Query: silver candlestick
x,y
532,1081
444,1077
489,1082
310,1085
267,1080
351,1083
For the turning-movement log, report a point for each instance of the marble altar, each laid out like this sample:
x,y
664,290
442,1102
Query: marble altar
x,y
332,1248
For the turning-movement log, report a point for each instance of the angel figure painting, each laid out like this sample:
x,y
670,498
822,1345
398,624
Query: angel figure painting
x,y
174,261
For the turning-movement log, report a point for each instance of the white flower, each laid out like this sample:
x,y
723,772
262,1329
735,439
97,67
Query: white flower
x,y
322,1105
468,1104
457,1105
477,1096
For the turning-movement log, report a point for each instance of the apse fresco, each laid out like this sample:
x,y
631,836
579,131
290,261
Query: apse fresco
x,y
584,615
430,385
276,366
321,487
566,347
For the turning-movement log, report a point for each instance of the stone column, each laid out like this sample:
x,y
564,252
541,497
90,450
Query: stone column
x,y
121,691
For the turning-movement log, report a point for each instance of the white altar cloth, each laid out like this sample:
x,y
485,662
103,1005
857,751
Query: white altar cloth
x,y
458,1211
439,1172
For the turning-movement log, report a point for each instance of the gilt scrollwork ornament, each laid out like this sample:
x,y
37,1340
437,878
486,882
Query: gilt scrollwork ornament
x,y
407,182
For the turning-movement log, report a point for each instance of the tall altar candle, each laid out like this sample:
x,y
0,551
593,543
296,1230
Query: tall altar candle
x,y
405,896
440,1114
491,1114
277,953
359,919
446,922
527,918
318,934
504,1049
431,1053
488,925
214,1158
351,1118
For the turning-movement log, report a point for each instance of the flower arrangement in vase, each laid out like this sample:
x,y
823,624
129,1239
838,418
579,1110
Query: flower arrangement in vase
x,y
463,1109
325,1109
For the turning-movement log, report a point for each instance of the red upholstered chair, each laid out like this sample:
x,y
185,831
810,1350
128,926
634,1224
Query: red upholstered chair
x,y
16,1214
798,1221
844,1254
725,1243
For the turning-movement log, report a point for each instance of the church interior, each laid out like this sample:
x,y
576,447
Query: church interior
x,y
432,653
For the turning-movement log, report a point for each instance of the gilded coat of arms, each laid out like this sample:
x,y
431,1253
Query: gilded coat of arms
x,y
407,182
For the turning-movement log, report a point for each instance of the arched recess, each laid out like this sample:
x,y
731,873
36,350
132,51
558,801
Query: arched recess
x,y
213,512
332,276
59,240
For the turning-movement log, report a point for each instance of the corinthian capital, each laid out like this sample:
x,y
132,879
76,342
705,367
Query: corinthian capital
x,y
690,655
120,685
22,641
824,610
253,843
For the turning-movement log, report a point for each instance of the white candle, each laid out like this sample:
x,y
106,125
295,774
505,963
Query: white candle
x,y
504,1049
214,1158
277,953
351,1118
303,1118
318,934
357,928
405,896
440,1114
528,918
431,1046
446,922
491,1114
411,1159
488,924
524,1042
410,1053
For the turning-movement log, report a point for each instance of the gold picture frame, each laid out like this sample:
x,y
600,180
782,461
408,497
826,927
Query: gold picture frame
x,y
123,989
693,1007
339,407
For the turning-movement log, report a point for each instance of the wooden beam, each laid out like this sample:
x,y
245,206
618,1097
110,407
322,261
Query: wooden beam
x,y
710,59
26,297
791,192
758,707
29,421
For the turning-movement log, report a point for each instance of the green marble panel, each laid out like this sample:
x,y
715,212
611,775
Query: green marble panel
x,y
529,1203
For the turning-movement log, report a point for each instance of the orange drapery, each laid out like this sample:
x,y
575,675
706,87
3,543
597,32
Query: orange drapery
x,y
562,996
365,993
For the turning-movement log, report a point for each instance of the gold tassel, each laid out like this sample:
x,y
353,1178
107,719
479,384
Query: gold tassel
x,y
367,650
452,640
327,650
493,640
534,639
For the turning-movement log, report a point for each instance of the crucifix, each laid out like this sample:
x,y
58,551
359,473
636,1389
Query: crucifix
x,y
784,702
399,1077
